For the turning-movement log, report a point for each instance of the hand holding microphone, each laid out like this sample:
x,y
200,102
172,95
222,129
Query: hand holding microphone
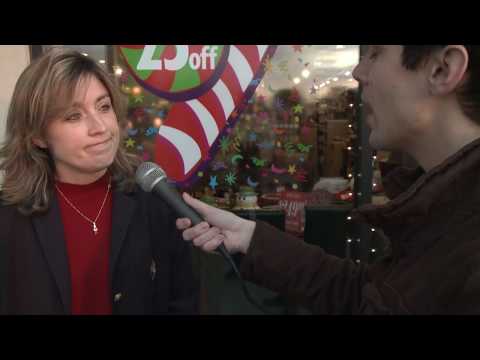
x,y
228,231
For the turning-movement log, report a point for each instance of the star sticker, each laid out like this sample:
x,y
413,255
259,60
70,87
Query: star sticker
x,y
298,109
130,143
213,182
313,91
224,144
292,169
138,98
230,179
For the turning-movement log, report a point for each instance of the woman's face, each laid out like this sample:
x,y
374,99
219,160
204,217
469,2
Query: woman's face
x,y
84,140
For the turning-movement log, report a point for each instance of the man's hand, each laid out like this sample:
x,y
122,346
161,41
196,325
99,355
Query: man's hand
x,y
220,226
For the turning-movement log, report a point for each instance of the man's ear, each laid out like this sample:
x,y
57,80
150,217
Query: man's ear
x,y
447,69
40,143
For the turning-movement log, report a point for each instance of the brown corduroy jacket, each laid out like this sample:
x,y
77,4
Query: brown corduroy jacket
x,y
433,224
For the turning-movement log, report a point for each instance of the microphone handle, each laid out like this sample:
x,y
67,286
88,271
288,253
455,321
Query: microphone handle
x,y
171,196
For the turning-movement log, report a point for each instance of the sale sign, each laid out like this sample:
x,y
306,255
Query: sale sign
x,y
208,85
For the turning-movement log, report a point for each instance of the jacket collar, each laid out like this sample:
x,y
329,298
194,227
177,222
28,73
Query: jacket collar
x,y
49,230
123,208
417,196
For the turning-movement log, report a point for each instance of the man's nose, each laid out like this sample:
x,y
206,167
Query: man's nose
x,y
361,71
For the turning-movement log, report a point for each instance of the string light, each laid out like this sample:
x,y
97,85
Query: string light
x,y
136,90
118,71
157,122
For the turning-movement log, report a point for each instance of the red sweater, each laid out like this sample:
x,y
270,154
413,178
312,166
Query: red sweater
x,y
88,254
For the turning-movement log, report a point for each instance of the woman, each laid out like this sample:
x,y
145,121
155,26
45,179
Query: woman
x,y
79,237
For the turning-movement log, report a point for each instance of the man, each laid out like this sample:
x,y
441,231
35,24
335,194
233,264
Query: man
x,y
422,100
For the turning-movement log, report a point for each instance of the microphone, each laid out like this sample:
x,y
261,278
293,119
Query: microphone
x,y
151,178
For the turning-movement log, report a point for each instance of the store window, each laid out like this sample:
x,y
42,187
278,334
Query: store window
x,y
288,137
245,127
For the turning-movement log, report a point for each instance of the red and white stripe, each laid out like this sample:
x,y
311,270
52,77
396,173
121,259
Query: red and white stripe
x,y
193,126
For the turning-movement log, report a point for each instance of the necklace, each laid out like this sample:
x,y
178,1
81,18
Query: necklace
x,y
93,222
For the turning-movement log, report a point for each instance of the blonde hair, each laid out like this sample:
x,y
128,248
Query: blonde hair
x,y
45,88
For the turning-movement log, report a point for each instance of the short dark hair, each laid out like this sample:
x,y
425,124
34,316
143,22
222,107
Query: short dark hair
x,y
468,94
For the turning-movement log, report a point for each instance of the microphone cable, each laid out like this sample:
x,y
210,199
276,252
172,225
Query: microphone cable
x,y
223,251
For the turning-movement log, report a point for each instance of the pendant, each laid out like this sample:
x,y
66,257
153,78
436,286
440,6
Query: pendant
x,y
95,229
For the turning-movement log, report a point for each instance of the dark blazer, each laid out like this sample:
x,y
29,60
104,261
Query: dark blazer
x,y
150,264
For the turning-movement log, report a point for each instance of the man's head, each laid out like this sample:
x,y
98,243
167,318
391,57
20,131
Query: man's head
x,y
407,88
